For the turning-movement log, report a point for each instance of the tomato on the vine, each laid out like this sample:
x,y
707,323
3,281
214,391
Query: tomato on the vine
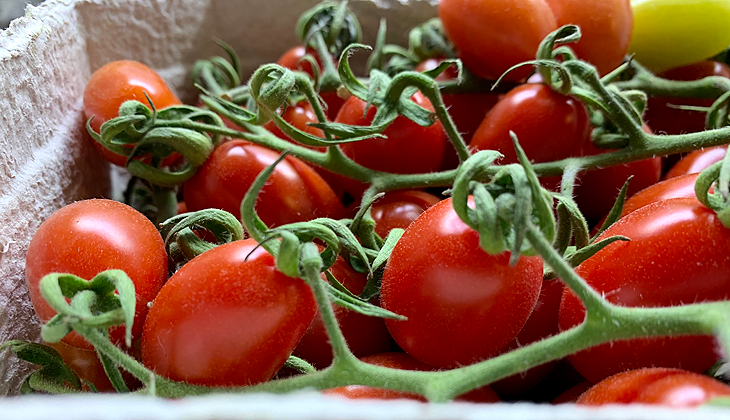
x,y
227,317
398,209
677,254
462,304
681,186
697,161
118,82
293,193
299,116
670,387
91,236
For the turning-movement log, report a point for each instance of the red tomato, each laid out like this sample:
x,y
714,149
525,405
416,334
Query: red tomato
x,y
365,335
550,126
88,237
462,304
677,254
697,161
404,362
85,363
116,83
292,60
227,317
664,119
494,35
294,192
670,387
543,323
681,186
606,27
398,209
408,148
297,115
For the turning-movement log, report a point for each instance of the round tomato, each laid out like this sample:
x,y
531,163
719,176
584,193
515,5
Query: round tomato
x,y
665,119
404,362
549,125
293,193
227,317
91,236
697,161
670,387
605,26
299,116
462,304
116,83
398,209
677,254
491,36
408,148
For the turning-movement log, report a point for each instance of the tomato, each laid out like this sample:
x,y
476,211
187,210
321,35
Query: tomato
x,y
677,254
542,323
227,317
398,209
550,126
494,35
118,82
697,161
408,148
292,59
365,335
669,34
293,193
681,186
665,119
91,236
404,362
605,25
462,304
86,364
299,116
670,387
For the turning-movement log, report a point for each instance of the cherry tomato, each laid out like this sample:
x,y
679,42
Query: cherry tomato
x,y
665,119
670,387
697,161
677,254
404,362
543,323
550,126
462,304
408,148
398,209
294,192
297,115
88,237
681,186
227,317
494,35
606,27
365,335
116,83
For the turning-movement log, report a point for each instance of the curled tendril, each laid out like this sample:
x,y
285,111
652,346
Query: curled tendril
x,y
716,178
218,74
334,22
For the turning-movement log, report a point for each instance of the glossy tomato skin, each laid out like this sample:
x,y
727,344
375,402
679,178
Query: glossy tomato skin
x,y
398,209
681,186
408,148
665,119
669,387
697,161
299,116
87,237
227,317
462,304
677,254
606,27
493,35
118,82
293,193
404,362
550,126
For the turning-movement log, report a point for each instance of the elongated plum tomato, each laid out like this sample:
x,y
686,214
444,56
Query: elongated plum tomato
x,y
293,193
408,148
88,237
404,362
491,36
462,304
678,254
116,83
697,161
670,387
227,317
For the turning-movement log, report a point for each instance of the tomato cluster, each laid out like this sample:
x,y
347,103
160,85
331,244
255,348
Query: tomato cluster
x,y
234,313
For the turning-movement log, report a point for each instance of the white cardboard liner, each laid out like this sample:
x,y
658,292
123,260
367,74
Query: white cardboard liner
x,y
45,163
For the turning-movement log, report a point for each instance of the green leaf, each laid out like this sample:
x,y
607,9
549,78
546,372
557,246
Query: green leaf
x,y
353,303
53,375
580,255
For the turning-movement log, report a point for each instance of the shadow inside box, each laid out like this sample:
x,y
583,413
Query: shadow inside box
x,y
11,9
